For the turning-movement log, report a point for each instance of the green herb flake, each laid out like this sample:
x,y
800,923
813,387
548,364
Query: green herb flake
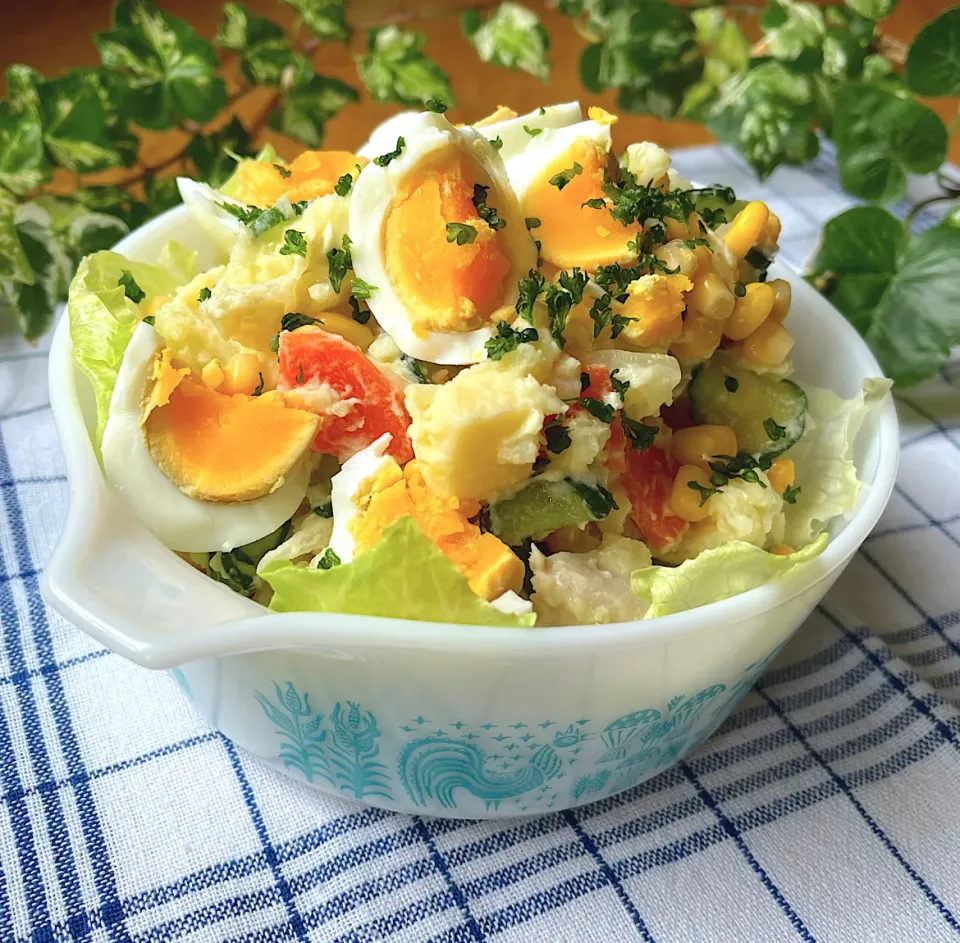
x,y
739,289
602,411
339,262
773,429
294,243
597,203
461,233
300,374
497,143
487,213
259,388
705,493
435,105
324,510
641,434
130,287
362,290
528,289
360,315
531,222
561,179
584,381
385,159
204,295
507,339
559,302
329,560
790,494
620,387
533,132
280,169
557,436
150,319
343,185
731,384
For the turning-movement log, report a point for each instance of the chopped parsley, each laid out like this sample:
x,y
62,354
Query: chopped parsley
x,y
584,381
731,384
739,289
205,293
640,434
557,436
280,169
597,203
599,501
561,179
602,411
290,322
487,213
533,132
790,494
339,262
559,303
300,373
329,559
150,319
130,287
773,429
496,143
759,261
259,388
602,316
705,493
574,282
528,289
385,159
324,510
360,315
543,110
362,290
531,222
415,368
435,105
461,233
620,387
294,243
507,339
742,465
343,185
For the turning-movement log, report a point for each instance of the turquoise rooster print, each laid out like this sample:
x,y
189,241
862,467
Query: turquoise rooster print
x,y
434,768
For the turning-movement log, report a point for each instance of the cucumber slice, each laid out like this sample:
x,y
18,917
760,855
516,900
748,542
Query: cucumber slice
x,y
755,400
543,506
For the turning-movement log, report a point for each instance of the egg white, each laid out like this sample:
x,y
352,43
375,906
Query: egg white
x,y
383,137
181,523
343,488
372,197
512,604
527,167
516,140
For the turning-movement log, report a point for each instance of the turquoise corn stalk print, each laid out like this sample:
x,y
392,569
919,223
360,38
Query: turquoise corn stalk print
x,y
299,728
354,752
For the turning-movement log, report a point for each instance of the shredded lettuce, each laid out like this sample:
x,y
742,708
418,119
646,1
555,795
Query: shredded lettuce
x,y
823,460
103,318
405,576
725,571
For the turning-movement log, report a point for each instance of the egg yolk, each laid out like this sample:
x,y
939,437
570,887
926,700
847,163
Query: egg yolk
x,y
655,303
313,174
444,286
570,233
490,566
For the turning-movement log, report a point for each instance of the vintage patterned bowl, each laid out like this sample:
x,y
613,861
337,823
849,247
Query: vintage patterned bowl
x,y
444,720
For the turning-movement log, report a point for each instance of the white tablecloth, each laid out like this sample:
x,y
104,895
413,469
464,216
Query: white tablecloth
x,y
825,809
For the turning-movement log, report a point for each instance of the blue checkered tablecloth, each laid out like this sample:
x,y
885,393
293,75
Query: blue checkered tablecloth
x,y
825,809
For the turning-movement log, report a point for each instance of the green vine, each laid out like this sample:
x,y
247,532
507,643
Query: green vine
x,y
815,72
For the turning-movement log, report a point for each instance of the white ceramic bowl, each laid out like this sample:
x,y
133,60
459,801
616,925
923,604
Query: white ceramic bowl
x,y
448,720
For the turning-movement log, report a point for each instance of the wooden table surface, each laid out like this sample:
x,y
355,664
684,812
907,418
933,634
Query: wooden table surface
x,y
53,35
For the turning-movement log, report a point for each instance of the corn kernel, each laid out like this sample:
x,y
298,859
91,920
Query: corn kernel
x,y
699,339
676,229
769,345
677,257
750,311
780,474
347,328
242,375
771,232
152,305
711,297
697,445
783,295
746,228
573,539
212,375
704,259
685,502
781,550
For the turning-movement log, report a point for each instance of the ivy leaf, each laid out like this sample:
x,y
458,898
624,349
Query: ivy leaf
x,y
726,53
767,116
75,126
23,83
262,44
79,230
309,102
170,72
872,9
14,266
114,201
23,164
901,293
209,151
511,37
326,19
933,62
396,69
880,137
793,30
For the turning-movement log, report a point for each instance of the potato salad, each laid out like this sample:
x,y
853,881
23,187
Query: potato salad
x,y
491,374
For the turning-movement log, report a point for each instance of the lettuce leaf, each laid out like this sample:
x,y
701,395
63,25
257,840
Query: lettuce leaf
x,y
823,460
405,576
103,318
725,571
